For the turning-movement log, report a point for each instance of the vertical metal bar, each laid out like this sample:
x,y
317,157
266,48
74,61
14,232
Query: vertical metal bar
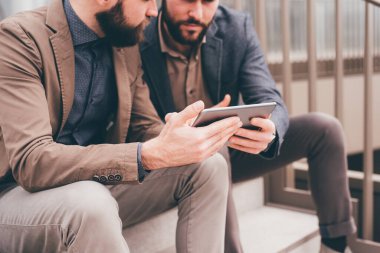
x,y
339,72
261,24
368,126
286,65
286,75
1,13
312,56
237,5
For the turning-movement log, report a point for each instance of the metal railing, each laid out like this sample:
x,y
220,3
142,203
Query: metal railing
x,y
352,16
282,189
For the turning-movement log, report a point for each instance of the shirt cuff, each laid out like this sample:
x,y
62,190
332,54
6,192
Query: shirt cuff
x,y
272,149
140,168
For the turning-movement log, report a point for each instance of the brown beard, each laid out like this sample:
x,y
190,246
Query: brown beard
x,y
175,30
116,29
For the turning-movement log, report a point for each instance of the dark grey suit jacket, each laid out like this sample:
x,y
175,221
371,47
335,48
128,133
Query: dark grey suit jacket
x,y
232,63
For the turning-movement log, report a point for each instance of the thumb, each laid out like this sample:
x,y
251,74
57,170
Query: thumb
x,y
190,112
169,116
224,103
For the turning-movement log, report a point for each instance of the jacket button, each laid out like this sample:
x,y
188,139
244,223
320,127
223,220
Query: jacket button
x,y
111,178
96,178
103,179
118,177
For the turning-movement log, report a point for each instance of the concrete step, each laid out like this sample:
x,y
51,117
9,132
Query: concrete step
x,y
248,195
165,223
307,245
270,230
263,229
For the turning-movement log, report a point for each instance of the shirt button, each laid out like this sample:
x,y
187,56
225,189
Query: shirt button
x,y
118,177
191,92
103,179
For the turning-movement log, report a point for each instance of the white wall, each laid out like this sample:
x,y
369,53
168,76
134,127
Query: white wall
x,y
353,111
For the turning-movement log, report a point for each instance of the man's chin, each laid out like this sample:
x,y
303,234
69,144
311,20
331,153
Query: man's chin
x,y
191,39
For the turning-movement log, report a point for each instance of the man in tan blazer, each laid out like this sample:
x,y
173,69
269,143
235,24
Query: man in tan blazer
x,y
75,115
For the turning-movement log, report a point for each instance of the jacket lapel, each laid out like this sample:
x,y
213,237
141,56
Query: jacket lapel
x,y
123,74
212,63
63,49
155,68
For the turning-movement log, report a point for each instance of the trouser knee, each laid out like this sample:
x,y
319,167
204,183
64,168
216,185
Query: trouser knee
x,y
214,173
89,204
327,127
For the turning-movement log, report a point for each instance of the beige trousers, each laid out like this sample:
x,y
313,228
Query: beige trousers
x,y
88,217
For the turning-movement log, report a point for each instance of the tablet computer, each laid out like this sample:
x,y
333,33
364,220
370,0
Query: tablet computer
x,y
244,112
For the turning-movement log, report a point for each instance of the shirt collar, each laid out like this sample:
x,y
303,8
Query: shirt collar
x,y
80,32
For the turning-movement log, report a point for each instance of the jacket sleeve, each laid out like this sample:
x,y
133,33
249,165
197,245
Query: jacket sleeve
x,y
36,161
257,86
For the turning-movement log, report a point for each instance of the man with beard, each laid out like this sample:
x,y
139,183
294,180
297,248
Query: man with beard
x,y
197,49
75,116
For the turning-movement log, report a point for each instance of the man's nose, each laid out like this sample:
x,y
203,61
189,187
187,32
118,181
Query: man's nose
x,y
196,10
152,9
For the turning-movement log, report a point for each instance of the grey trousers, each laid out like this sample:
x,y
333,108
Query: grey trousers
x,y
88,217
319,138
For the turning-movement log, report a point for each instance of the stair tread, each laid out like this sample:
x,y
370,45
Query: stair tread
x,y
265,229
270,229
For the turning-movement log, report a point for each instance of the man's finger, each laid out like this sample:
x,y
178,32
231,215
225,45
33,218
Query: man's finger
x,y
219,139
248,143
255,135
245,149
226,133
224,103
169,115
266,125
190,112
221,125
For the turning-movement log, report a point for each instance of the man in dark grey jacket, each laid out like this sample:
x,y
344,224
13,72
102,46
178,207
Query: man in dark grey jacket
x,y
199,50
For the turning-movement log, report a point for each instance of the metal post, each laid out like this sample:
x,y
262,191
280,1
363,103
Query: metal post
x,y
339,72
261,24
237,5
368,126
2,13
286,75
312,56
286,65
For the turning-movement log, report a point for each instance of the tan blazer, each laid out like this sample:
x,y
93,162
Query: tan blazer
x,y
36,95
